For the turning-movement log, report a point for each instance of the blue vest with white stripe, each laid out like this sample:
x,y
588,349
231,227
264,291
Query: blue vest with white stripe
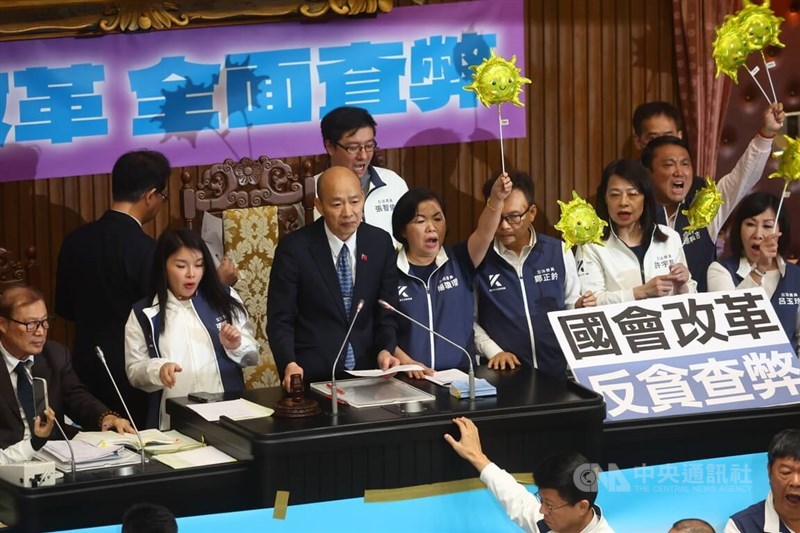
x,y
784,299
501,308
699,248
449,313
230,373
753,519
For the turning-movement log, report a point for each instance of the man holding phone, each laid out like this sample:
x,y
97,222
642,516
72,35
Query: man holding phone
x,y
23,343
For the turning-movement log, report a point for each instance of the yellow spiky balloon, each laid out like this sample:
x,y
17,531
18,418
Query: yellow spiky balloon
x,y
497,81
729,49
759,26
579,223
788,160
705,206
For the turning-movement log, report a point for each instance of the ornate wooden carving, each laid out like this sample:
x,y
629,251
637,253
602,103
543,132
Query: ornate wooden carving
x,y
34,19
13,271
250,183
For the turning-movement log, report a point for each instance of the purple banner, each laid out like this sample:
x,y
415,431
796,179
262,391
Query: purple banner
x,y
72,106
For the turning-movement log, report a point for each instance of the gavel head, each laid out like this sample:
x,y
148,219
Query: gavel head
x,y
296,385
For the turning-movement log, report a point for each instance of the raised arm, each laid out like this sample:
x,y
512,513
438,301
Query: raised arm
x,y
480,240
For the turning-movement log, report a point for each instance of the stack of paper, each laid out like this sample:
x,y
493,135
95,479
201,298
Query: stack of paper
x,y
446,377
154,440
460,388
240,409
87,456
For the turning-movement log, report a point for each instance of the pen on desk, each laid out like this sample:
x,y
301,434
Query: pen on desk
x,y
338,400
338,390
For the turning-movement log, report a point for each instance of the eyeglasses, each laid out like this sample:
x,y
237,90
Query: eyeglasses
x,y
514,219
353,149
33,325
549,507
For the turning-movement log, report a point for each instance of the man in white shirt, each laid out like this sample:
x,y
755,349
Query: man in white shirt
x,y
567,487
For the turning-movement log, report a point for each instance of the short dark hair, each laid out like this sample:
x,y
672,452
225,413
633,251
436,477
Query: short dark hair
x,y
784,444
217,294
693,525
149,518
570,474
343,120
755,204
137,172
14,297
519,180
634,172
406,209
654,109
649,151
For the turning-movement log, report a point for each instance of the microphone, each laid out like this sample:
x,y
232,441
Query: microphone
x,y
72,463
388,306
334,393
102,357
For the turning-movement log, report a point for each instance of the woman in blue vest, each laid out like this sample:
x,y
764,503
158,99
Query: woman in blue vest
x,y
192,334
757,244
639,258
435,282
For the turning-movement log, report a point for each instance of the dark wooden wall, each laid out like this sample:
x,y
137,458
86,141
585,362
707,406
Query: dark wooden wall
x,y
591,62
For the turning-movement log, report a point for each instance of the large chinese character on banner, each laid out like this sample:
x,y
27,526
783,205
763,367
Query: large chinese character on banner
x,y
681,355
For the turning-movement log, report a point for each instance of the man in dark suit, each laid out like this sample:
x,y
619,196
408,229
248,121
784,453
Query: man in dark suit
x,y
104,268
319,275
23,341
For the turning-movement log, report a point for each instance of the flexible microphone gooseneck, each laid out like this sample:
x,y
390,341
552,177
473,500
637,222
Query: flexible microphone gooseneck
x,y
72,464
387,305
102,357
334,391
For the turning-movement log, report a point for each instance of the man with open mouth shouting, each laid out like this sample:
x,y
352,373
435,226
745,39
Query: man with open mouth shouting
x,y
666,154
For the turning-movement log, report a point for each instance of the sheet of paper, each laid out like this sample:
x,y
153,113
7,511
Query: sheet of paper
x,y
84,452
236,409
208,455
211,233
446,377
377,372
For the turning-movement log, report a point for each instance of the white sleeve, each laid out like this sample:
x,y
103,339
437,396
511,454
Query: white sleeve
x,y
247,352
735,186
691,284
17,453
520,505
719,279
592,277
142,370
730,527
484,344
572,286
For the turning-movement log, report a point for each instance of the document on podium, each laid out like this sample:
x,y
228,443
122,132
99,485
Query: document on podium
x,y
240,409
208,455
373,392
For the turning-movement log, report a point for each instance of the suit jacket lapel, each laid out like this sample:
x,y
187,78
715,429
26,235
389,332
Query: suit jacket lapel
x,y
7,392
362,256
321,251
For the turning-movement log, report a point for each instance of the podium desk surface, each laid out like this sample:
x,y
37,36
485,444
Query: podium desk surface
x,y
326,457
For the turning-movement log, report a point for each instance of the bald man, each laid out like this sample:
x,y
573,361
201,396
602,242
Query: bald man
x,y
319,275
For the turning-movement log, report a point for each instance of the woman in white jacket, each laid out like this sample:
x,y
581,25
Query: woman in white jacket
x,y
193,334
640,258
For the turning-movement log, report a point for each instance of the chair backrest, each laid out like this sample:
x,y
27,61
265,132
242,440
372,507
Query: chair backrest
x,y
251,183
14,272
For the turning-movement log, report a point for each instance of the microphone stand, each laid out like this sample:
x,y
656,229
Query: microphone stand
x,y
102,357
387,305
334,392
72,463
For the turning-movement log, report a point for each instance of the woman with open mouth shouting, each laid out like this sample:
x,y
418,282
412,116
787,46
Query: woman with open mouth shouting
x,y
435,282
640,258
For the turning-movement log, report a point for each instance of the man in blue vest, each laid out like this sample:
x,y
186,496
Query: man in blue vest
x,y
780,511
524,276
657,132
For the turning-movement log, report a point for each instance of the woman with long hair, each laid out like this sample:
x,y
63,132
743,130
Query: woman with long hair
x,y
192,334
758,243
640,258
